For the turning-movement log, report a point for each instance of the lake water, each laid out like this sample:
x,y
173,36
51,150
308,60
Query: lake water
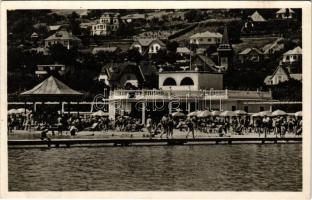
x,y
246,167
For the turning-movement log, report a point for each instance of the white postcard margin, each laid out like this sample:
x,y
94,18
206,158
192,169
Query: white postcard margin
x,y
306,145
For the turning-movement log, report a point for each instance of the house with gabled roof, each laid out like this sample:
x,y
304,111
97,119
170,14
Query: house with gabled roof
x,y
250,55
294,55
281,74
148,45
285,13
206,39
257,17
127,75
67,39
106,25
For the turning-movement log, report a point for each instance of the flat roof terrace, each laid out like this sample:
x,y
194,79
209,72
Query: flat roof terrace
x,y
190,94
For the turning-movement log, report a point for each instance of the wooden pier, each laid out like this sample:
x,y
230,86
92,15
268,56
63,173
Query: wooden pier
x,y
146,141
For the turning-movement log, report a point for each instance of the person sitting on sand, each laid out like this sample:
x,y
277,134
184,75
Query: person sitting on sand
x,y
44,134
73,130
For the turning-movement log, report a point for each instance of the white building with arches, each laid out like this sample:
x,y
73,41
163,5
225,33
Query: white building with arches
x,y
190,80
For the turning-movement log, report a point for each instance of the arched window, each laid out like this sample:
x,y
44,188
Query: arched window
x,y
187,81
169,81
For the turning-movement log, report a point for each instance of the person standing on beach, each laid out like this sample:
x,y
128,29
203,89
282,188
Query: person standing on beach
x,y
265,125
149,123
170,126
190,126
164,126
59,125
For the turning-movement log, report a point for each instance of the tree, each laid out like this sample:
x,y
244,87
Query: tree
x,y
134,55
74,23
60,54
172,46
193,16
290,90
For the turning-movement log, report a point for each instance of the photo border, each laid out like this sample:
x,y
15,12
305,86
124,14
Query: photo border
x,y
306,101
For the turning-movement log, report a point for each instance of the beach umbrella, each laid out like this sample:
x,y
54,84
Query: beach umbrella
x,y
228,114
192,114
178,114
98,113
215,113
12,111
264,113
204,113
298,114
241,112
255,115
279,113
22,110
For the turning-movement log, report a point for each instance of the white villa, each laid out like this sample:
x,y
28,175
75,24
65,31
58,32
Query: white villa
x,y
106,25
148,45
293,55
285,13
206,39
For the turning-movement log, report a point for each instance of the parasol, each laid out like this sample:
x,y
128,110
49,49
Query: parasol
x,y
241,112
215,113
228,114
279,113
264,113
204,113
12,111
178,114
298,114
195,113
99,113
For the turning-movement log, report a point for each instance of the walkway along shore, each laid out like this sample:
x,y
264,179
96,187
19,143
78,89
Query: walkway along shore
x,y
119,141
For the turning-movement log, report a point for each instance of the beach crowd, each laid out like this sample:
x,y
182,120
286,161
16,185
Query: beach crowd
x,y
240,125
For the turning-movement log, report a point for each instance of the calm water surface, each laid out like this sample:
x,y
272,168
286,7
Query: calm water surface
x,y
248,167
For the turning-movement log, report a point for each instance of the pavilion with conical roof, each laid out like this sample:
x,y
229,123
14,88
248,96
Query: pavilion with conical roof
x,y
52,90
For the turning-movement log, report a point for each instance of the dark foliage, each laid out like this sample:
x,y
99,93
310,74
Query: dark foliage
x,y
287,91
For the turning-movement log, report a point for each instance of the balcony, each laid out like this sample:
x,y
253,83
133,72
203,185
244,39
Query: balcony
x,y
189,94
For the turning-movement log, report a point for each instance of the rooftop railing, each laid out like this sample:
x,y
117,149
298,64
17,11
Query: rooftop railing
x,y
205,94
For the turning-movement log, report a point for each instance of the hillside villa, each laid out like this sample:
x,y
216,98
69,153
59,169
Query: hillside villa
x,y
285,13
206,39
106,25
289,67
67,39
250,55
148,45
